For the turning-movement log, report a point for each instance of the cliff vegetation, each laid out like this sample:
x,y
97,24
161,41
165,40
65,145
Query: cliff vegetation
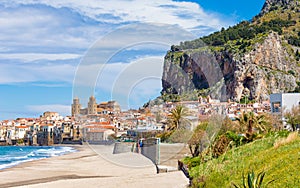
x,y
251,59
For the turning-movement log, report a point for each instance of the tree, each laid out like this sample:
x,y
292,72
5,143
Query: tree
x,y
293,117
178,117
261,123
246,121
198,140
250,121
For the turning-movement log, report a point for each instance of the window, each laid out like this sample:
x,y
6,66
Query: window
x,y
276,106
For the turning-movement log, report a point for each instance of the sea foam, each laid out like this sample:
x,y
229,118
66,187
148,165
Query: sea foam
x,y
14,155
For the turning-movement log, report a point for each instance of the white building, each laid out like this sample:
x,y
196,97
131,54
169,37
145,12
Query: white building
x,y
281,102
20,131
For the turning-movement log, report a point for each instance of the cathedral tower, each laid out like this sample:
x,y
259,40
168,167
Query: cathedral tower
x,y
92,106
76,106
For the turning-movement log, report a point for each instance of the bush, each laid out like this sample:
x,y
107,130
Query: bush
x,y
291,72
220,146
294,41
192,161
243,30
237,139
278,134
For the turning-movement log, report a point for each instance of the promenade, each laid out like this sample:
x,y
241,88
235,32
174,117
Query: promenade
x,y
90,167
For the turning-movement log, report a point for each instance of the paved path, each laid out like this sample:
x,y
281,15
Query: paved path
x,y
88,168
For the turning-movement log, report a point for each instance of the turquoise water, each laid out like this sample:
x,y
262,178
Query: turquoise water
x,y
14,155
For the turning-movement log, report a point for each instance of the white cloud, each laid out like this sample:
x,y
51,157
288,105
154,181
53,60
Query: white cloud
x,y
145,89
120,81
186,14
137,36
27,57
34,72
4,49
41,41
42,30
40,26
43,27
63,110
133,82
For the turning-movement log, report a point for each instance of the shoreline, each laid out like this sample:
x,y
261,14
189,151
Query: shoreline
x,y
17,163
87,168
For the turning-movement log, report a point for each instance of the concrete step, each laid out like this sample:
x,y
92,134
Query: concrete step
x,y
171,153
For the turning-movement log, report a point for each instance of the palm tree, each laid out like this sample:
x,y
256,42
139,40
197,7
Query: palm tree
x,y
250,121
261,122
246,120
178,116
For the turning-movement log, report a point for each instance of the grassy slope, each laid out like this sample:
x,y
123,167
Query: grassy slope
x,y
281,164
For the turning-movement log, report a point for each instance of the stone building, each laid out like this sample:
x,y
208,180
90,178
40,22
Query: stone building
x,y
92,106
48,135
76,106
51,115
108,107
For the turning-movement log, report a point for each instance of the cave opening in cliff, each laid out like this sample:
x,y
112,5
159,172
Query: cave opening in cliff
x,y
248,85
199,80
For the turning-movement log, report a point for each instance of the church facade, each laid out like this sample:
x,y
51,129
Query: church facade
x,y
109,107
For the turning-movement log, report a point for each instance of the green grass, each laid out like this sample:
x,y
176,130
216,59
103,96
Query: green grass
x,y
281,164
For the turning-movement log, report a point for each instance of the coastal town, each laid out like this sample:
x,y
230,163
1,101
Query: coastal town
x,y
172,93
103,122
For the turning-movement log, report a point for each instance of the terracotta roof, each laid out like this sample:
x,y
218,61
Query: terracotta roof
x,y
21,127
44,124
108,126
100,126
104,103
101,123
96,131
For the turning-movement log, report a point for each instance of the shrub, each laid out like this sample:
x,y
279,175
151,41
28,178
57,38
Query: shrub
x,y
192,162
278,134
220,146
237,139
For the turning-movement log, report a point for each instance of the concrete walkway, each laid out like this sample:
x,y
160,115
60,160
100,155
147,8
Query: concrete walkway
x,y
91,167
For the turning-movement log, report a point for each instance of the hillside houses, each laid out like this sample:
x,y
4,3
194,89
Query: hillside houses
x,y
105,119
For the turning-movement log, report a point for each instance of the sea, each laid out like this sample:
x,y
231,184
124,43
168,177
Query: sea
x,y
13,155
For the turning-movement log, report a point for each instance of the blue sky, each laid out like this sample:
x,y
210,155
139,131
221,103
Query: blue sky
x,y
43,42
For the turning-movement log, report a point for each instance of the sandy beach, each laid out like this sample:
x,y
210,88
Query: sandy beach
x,y
94,166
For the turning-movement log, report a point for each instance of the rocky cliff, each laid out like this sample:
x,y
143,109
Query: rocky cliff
x,y
274,4
251,67
268,68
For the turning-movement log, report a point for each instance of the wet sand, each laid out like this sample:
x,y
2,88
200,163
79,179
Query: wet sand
x,y
92,166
